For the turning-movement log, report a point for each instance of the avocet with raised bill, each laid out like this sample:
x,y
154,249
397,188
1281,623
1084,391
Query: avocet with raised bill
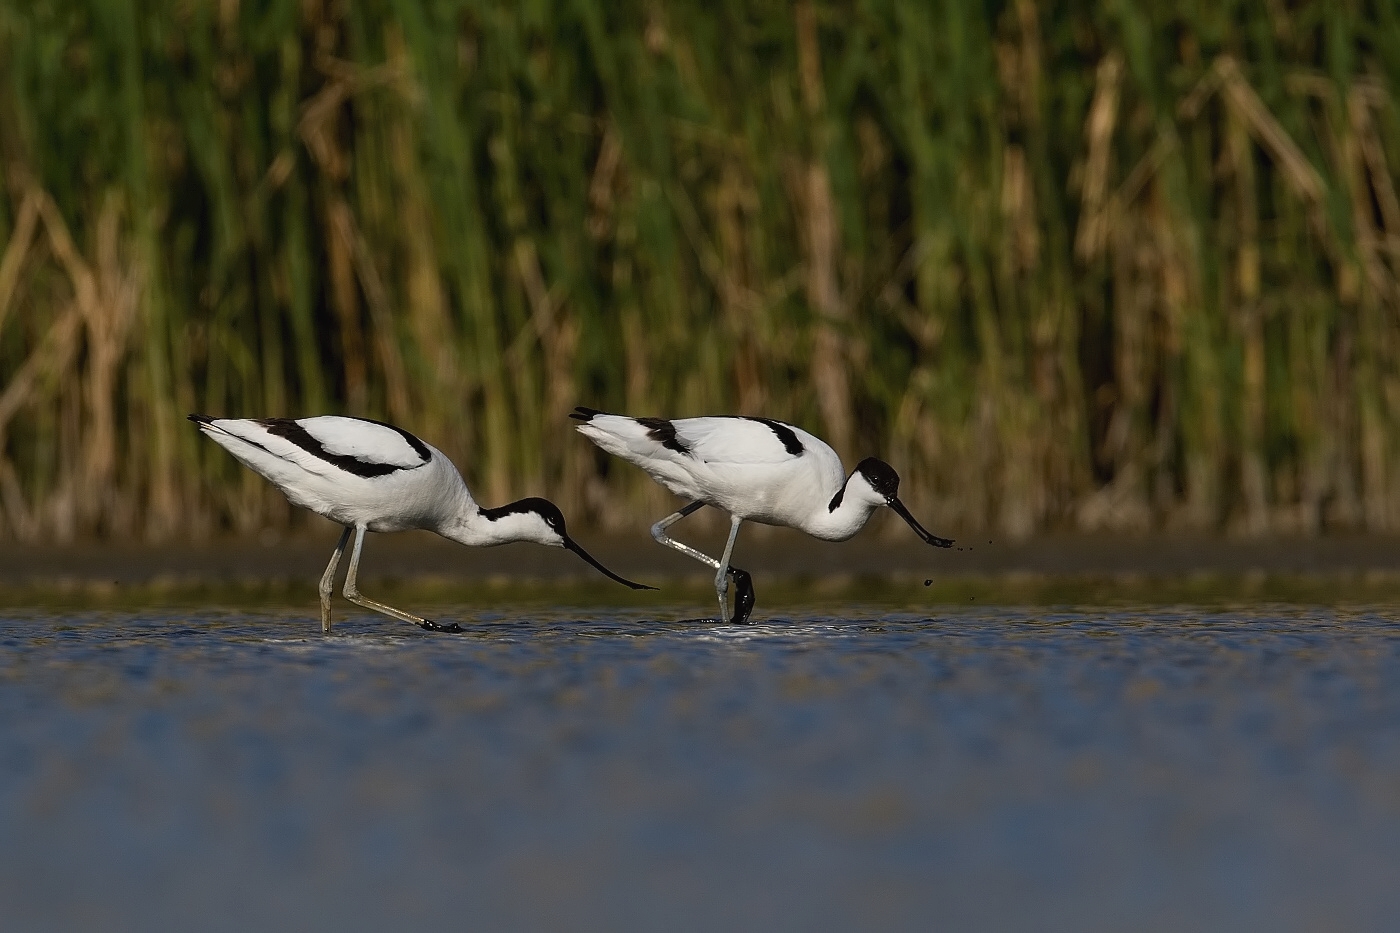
x,y
752,469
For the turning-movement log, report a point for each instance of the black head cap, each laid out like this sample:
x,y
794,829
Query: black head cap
x,y
881,477
884,480
555,520
548,511
542,507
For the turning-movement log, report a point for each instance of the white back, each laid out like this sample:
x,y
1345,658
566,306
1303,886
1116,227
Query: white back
x,y
351,471
759,470
363,440
740,440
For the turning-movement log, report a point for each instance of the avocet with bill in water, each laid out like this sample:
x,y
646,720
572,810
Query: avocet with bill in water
x,y
371,476
752,469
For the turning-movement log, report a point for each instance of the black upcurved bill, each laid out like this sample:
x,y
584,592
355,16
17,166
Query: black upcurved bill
x,y
573,545
919,530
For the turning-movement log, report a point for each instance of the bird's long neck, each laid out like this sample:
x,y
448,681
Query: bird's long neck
x,y
471,530
478,527
842,516
464,522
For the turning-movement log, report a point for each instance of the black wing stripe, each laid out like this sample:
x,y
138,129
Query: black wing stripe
x,y
791,443
290,430
664,432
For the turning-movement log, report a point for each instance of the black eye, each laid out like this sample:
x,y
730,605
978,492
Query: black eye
x,y
881,476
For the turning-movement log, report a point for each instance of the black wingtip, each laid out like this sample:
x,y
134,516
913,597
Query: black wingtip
x,y
583,413
200,419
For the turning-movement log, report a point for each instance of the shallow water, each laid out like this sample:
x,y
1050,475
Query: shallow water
x,y
984,769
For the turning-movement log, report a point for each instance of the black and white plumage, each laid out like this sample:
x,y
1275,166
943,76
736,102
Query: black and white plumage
x,y
753,469
371,476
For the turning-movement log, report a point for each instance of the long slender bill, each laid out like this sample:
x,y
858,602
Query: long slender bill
x,y
573,545
919,530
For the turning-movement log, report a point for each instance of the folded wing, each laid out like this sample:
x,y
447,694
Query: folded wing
x,y
325,445
714,439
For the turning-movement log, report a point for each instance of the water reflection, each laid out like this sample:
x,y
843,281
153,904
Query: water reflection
x,y
1067,769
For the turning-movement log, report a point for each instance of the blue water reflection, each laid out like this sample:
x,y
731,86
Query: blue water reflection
x,y
982,769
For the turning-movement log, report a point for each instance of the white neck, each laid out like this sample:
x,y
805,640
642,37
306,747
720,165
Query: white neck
x,y
858,502
470,529
518,521
473,529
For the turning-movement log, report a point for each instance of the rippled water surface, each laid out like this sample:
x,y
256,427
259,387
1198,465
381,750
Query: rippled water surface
x,y
990,769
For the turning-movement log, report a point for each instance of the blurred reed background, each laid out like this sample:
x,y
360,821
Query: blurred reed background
x,y
1068,265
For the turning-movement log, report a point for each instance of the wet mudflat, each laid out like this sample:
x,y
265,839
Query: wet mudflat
x,y
999,768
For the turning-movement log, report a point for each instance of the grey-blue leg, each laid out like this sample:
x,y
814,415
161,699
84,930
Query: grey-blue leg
x,y
744,595
328,582
722,575
352,593
658,531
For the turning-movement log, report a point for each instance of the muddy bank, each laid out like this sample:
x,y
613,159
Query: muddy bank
x,y
776,554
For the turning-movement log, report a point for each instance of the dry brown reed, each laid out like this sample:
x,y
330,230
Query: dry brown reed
x,y
1067,266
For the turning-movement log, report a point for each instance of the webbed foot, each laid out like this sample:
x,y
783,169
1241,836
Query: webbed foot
x,y
441,626
744,597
